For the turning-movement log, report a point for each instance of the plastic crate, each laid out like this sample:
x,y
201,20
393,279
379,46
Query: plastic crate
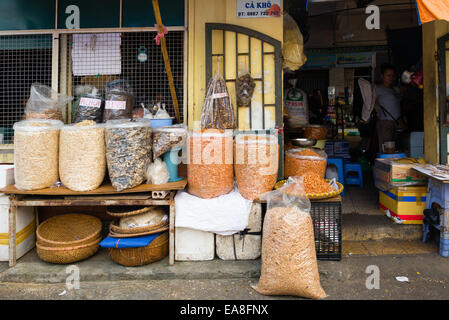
x,y
326,217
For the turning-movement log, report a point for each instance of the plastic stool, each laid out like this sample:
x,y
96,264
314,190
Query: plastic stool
x,y
338,162
350,179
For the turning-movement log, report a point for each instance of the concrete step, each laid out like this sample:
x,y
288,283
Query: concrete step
x,y
360,227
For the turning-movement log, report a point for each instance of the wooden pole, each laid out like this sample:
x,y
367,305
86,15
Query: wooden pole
x,y
157,15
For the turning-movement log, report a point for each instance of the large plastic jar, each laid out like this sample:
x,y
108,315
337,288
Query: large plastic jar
x,y
301,160
82,157
36,144
210,171
128,152
256,160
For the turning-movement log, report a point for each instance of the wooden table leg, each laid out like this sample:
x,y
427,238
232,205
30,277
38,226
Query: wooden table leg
x,y
12,233
171,250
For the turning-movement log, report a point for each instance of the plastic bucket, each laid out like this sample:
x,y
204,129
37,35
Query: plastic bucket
x,y
155,123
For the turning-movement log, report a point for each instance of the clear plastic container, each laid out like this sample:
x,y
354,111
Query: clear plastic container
x,y
36,144
128,152
256,159
299,161
210,171
82,159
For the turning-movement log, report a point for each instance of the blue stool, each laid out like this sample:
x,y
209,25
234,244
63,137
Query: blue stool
x,y
351,179
338,162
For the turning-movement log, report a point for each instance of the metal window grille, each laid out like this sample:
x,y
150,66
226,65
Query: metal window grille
x,y
148,79
24,59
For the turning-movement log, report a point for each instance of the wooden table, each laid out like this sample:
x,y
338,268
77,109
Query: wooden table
x,y
144,195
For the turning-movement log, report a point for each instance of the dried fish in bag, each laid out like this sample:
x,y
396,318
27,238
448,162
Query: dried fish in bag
x,y
128,152
217,112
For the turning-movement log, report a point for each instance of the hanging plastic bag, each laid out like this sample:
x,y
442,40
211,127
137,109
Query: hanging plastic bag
x,y
157,172
89,106
244,89
289,264
45,103
217,112
293,46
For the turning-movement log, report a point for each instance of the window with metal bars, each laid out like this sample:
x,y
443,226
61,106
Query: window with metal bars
x,y
148,78
24,59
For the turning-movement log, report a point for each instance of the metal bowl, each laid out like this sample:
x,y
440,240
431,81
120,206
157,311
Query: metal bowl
x,y
303,142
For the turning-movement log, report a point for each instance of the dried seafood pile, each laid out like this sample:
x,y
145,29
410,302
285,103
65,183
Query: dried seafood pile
x,y
217,112
82,160
128,152
36,145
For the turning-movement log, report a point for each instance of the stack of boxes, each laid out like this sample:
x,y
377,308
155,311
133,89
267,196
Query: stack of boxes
x,y
402,190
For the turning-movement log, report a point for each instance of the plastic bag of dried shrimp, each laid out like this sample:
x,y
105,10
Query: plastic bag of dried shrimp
x,y
289,264
256,159
36,144
82,158
299,161
45,103
210,171
128,152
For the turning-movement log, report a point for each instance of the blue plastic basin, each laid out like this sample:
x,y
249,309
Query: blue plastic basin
x,y
155,123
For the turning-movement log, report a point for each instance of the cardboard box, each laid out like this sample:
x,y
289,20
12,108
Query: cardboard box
x,y
387,172
406,204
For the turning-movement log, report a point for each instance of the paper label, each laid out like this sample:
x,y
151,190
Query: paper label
x,y
219,95
89,102
115,105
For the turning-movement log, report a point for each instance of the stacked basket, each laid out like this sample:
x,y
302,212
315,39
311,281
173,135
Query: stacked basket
x,y
131,257
68,238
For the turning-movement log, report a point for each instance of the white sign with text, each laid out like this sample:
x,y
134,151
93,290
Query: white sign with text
x,y
258,9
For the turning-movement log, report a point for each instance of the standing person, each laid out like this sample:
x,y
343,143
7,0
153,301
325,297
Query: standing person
x,y
388,102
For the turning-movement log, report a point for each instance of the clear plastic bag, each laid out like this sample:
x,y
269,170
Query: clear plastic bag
x,y
157,172
167,138
217,112
293,45
244,89
256,159
289,264
119,98
82,157
153,217
89,105
36,144
210,171
45,103
128,152
299,161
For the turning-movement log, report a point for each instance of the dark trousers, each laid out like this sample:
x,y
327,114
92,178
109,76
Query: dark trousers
x,y
386,131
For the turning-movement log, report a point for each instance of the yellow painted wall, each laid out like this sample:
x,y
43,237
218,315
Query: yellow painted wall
x,y
431,32
219,11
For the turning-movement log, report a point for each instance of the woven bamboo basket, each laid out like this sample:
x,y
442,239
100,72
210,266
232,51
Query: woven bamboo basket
x,y
64,255
126,211
68,230
115,228
132,235
133,257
